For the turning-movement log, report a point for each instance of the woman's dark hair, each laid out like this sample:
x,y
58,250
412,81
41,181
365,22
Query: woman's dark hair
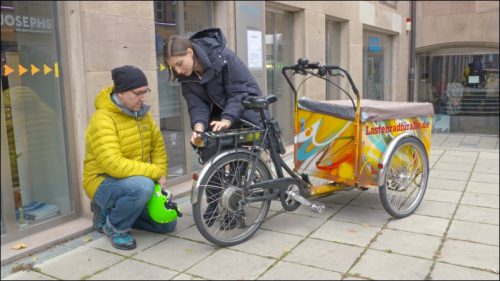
x,y
175,46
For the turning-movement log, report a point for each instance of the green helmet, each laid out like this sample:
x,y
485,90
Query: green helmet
x,y
160,209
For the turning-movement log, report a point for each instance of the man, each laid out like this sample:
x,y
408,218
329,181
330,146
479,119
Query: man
x,y
125,156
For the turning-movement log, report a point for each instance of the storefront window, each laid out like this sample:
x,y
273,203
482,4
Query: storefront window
x,y
333,56
32,113
463,90
278,42
196,15
377,53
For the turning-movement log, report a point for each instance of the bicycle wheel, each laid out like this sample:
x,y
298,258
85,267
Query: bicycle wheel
x,y
217,213
405,179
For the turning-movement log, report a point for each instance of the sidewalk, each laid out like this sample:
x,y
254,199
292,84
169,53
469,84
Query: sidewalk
x,y
454,234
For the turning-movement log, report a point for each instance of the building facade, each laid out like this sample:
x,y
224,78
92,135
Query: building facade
x,y
56,57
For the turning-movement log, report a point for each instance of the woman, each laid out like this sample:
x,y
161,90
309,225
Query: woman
x,y
213,80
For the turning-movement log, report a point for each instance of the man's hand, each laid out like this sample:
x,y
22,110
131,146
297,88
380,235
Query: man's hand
x,y
163,182
220,125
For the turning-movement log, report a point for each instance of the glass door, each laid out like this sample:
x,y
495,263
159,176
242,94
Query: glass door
x,y
377,53
279,44
183,18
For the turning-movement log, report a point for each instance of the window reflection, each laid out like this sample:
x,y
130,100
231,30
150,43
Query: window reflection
x,y
463,90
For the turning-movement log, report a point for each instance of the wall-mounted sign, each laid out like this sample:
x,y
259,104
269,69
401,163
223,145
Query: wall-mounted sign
x,y
27,23
254,42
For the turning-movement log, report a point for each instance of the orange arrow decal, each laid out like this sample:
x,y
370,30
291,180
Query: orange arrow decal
x,y
46,69
34,70
7,70
22,70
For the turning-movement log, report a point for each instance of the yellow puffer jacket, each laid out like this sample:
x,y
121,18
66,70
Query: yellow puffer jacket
x,y
121,145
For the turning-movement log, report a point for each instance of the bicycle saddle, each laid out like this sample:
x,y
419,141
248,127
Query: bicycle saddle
x,y
253,102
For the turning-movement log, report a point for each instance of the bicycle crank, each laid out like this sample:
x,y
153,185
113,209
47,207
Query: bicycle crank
x,y
316,207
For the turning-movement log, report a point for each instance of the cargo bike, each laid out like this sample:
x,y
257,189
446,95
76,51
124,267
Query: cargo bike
x,y
340,144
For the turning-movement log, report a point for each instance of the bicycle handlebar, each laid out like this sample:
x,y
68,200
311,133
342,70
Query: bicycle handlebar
x,y
303,65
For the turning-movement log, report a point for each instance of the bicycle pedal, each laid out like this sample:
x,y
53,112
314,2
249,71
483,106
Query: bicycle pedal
x,y
318,207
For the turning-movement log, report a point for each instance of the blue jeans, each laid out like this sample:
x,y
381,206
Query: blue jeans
x,y
126,201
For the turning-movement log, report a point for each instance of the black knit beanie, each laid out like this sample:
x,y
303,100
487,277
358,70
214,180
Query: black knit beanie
x,y
128,77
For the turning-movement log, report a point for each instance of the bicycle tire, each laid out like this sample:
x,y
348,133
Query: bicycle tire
x,y
208,225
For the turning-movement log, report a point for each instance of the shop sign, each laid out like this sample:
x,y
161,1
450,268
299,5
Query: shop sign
x,y
374,44
27,23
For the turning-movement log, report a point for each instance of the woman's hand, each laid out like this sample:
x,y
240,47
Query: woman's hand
x,y
196,135
163,182
220,125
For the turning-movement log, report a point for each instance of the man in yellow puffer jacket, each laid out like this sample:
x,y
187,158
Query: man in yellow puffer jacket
x,y
125,155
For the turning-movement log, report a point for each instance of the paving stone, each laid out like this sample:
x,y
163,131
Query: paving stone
x,y
420,224
144,240
470,254
488,155
184,276
79,263
454,167
368,200
292,271
343,232
443,195
191,253
28,275
382,266
407,243
450,175
446,184
235,265
472,231
486,162
360,215
134,270
269,243
341,197
477,214
492,170
192,233
480,177
183,223
481,200
324,254
482,187
293,224
453,140
460,153
443,271
436,208
455,160
330,209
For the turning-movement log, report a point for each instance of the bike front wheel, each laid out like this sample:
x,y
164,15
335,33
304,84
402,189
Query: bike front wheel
x,y
218,214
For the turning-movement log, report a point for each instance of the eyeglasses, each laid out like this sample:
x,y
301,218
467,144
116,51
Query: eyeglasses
x,y
147,91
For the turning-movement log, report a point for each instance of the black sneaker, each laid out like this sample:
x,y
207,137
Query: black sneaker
x,y
232,220
211,214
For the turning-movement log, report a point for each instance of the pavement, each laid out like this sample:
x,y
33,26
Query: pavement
x,y
454,234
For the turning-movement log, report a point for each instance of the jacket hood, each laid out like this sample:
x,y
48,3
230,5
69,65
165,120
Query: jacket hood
x,y
209,45
104,101
209,39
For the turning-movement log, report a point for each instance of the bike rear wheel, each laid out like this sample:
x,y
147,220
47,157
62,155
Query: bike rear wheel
x,y
406,178
217,213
